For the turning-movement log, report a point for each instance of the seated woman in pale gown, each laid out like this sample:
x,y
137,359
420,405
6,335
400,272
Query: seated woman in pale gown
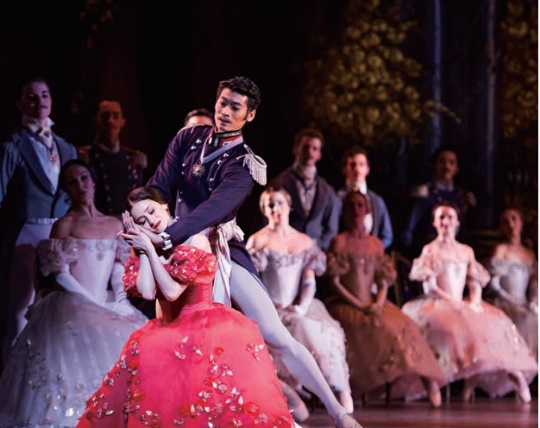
x,y
514,278
288,262
472,339
78,326
384,346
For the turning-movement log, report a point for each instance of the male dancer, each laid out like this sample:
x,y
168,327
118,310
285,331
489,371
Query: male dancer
x,y
30,202
215,172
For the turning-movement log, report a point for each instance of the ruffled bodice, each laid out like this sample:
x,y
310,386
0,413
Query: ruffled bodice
x,y
514,276
360,272
189,266
281,273
450,273
90,261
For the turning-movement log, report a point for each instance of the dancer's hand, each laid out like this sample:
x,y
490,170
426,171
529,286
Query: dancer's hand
x,y
134,235
131,226
375,309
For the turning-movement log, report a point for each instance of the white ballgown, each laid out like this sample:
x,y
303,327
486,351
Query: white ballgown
x,y
70,341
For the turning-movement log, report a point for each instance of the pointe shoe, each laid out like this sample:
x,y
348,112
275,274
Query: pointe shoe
x,y
343,420
468,391
524,395
345,399
295,404
299,410
434,394
435,398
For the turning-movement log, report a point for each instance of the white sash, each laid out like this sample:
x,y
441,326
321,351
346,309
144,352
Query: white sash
x,y
219,237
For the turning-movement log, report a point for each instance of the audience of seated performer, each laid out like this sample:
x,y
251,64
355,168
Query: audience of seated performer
x,y
30,202
514,278
119,168
419,229
384,346
315,205
288,262
355,169
77,328
473,340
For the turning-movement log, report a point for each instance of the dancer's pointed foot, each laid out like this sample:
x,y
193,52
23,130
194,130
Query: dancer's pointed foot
x,y
434,394
523,393
295,404
344,420
468,390
346,400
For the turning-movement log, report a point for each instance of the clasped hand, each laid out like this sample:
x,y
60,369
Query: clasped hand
x,y
136,236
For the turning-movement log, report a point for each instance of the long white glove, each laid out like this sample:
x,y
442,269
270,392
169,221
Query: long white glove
x,y
308,288
121,304
117,284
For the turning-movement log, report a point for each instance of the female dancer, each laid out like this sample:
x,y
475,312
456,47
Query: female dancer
x,y
287,261
473,340
77,327
514,278
198,363
384,346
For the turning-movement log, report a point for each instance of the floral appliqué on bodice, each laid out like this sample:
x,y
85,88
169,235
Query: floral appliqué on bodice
x,y
189,265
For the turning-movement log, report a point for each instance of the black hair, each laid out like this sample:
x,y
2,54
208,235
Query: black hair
x,y
71,162
142,193
444,148
353,151
243,86
199,112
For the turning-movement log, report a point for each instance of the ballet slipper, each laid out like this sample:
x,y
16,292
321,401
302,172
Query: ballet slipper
x,y
345,399
523,393
343,420
435,398
434,394
295,404
468,390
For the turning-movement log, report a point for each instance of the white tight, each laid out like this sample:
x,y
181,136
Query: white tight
x,y
249,294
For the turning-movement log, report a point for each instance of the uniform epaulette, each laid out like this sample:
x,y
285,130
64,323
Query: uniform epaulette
x,y
256,165
139,157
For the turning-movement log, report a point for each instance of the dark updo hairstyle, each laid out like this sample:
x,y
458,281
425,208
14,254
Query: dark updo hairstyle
x,y
143,193
68,164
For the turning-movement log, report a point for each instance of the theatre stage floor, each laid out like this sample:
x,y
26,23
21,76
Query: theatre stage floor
x,y
482,413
